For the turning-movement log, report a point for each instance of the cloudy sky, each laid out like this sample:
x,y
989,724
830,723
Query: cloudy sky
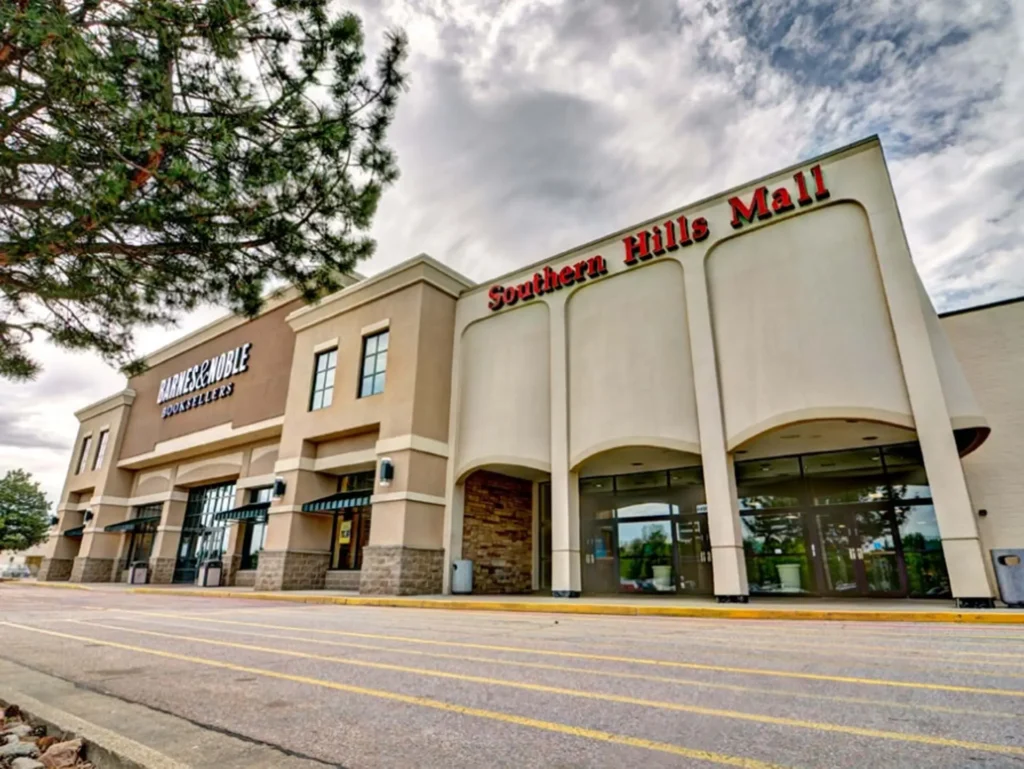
x,y
534,125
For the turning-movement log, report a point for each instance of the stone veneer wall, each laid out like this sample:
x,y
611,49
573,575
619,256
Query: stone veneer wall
x,y
245,578
397,570
232,563
497,532
55,570
161,571
342,580
87,569
292,570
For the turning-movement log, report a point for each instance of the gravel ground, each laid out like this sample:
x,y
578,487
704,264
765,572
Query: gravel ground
x,y
385,687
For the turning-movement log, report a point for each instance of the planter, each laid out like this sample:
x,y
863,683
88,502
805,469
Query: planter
x,y
789,576
662,577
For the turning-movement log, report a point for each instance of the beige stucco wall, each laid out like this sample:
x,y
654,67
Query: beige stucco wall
x,y
987,342
630,365
505,410
807,311
801,324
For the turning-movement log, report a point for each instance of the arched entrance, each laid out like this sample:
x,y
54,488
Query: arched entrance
x,y
643,523
845,512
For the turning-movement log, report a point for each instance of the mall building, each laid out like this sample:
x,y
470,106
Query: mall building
x,y
749,396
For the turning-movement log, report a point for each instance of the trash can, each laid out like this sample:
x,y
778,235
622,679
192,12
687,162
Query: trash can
x,y
209,573
462,577
138,572
1009,568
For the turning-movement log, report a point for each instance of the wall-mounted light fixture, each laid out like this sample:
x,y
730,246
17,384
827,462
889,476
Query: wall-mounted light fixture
x,y
88,516
387,471
279,487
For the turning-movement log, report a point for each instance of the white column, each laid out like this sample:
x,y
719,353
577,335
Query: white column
x,y
565,488
728,563
453,514
961,544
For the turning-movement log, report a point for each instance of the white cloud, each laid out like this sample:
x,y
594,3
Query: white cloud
x,y
533,125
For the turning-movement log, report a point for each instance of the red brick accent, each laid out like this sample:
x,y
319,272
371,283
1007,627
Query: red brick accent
x,y
497,532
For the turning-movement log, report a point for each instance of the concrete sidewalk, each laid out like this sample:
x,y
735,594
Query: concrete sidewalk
x,y
135,735
843,610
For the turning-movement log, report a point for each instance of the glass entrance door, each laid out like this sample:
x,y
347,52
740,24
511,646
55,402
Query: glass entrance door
x,y
600,572
645,556
693,546
858,553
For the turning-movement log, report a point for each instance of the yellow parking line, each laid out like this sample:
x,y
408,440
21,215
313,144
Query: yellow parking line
x,y
426,702
600,696
631,676
607,657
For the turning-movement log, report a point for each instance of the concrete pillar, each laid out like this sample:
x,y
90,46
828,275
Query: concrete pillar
x,y
728,563
566,581
908,303
165,544
455,506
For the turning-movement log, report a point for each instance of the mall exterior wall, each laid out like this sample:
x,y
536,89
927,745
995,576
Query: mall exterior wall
x,y
788,300
689,340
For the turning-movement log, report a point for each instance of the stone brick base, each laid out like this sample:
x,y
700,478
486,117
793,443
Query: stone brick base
x,y
245,578
397,570
92,569
161,571
232,563
342,580
55,570
292,570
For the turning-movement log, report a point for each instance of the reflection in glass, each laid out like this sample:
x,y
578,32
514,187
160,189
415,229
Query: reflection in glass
x,y
633,481
876,541
776,551
645,557
922,552
846,476
768,483
905,466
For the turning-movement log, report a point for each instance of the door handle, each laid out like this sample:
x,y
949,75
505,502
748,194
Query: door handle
x,y
814,551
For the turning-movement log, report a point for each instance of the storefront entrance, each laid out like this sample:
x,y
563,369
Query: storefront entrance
x,y
645,533
202,537
855,523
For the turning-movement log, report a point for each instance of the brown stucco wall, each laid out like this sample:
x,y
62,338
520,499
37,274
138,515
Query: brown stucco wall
x,y
259,393
498,532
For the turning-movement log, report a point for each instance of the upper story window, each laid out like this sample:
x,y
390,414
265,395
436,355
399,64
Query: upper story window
x,y
323,379
83,456
101,449
375,361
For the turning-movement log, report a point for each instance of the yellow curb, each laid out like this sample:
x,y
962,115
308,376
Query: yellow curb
x,y
58,585
707,612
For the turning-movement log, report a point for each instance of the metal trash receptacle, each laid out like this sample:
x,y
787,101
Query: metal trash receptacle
x,y
209,573
462,577
138,573
1009,567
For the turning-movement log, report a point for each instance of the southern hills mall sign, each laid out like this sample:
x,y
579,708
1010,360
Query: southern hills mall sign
x,y
201,375
669,236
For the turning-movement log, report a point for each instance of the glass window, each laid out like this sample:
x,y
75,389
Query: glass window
x,y
253,540
922,551
375,361
766,483
140,541
323,379
101,449
637,481
261,494
351,533
356,482
86,444
846,476
905,467
775,546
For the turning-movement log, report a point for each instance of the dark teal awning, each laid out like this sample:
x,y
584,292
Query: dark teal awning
x,y
75,532
132,523
341,501
257,511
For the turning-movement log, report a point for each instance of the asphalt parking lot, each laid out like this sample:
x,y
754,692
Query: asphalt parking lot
x,y
386,687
